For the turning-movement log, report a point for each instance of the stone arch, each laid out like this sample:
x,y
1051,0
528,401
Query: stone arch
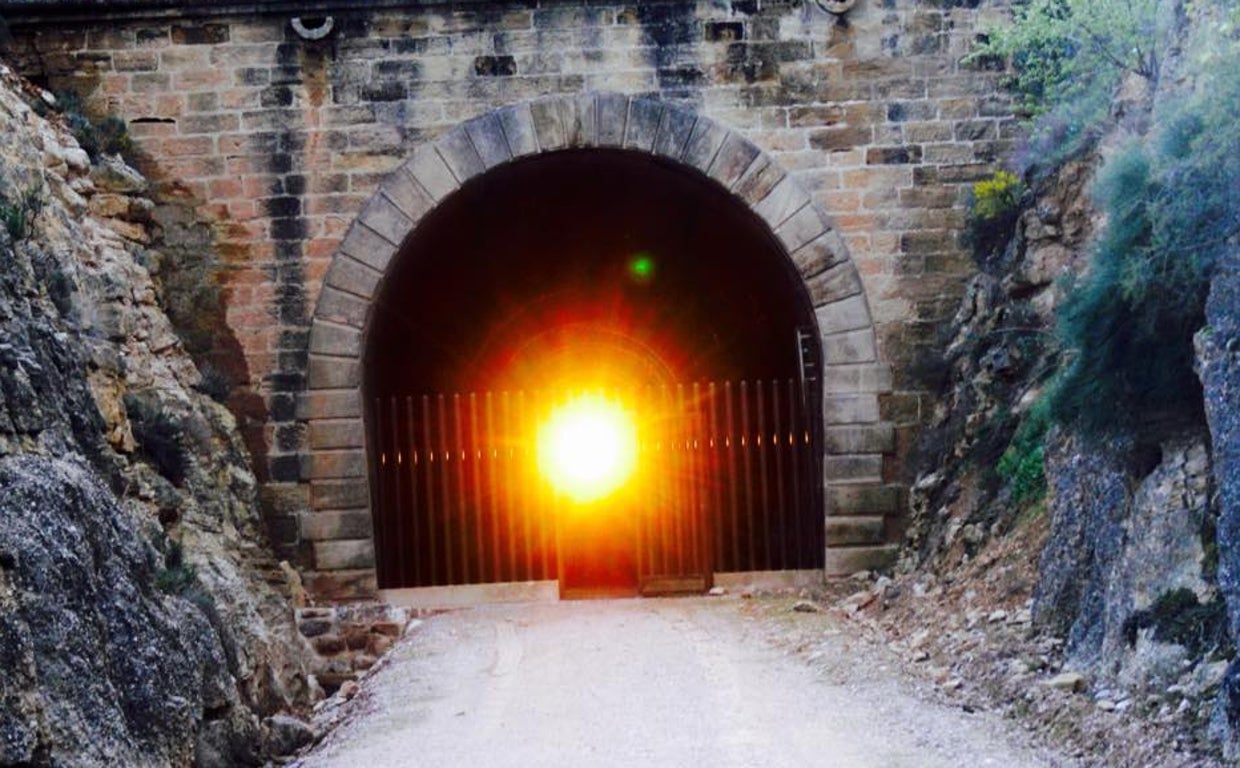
x,y
337,524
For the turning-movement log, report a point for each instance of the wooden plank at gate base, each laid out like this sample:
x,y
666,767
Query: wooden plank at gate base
x,y
674,585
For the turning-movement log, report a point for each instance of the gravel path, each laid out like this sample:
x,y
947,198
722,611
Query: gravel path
x,y
684,682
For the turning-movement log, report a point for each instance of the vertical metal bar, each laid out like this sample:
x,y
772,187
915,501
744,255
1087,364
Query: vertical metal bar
x,y
509,452
652,503
475,462
415,516
529,484
794,445
763,446
714,517
445,489
458,465
548,521
380,496
665,481
692,480
395,469
779,446
428,452
492,461
676,506
733,484
540,497
747,459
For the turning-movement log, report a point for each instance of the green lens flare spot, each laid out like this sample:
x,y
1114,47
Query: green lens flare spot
x,y
641,268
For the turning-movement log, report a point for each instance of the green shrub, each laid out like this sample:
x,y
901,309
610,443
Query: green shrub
x,y
177,577
1022,466
17,215
1172,204
158,436
107,135
1065,59
1058,49
993,211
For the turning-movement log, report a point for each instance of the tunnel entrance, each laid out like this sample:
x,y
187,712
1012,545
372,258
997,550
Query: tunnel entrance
x,y
615,275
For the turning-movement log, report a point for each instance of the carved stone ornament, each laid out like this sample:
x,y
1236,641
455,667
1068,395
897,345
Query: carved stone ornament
x,y
319,29
837,7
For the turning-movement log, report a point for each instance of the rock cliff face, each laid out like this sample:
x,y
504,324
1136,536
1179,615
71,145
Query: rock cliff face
x,y
1218,364
142,621
1136,563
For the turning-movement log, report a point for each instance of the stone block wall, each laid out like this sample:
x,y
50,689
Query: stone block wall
x,y
265,145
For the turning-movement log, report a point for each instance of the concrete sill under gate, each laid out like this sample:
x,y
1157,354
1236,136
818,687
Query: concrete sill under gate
x,y
548,591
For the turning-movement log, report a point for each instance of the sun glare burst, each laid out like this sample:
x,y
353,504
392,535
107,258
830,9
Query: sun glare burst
x,y
587,448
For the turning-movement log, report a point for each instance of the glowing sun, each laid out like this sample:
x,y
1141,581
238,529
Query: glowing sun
x,y
588,447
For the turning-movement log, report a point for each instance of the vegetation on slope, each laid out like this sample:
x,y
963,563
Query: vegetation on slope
x,y
1170,195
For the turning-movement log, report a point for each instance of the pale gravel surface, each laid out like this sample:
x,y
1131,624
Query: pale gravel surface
x,y
683,682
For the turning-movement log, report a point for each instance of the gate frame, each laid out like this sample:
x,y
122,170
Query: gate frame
x,y
335,465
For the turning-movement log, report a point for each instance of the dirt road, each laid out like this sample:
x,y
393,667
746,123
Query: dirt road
x,y
684,682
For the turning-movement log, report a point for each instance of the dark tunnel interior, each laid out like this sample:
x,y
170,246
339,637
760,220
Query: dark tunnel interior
x,y
586,268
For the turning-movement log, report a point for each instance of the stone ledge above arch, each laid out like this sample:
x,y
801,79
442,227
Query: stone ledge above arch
x,y
858,500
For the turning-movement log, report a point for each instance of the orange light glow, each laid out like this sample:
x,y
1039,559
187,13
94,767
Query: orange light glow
x,y
588,448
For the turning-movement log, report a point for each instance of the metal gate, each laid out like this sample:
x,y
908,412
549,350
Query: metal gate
x,y
728,478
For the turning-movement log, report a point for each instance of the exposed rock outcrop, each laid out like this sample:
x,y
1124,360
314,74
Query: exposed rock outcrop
x,y
1218,365
142,620
1133,548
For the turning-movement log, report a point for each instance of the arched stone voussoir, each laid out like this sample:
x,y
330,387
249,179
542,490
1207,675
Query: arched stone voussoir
x,y
820,254
704,144
804,226
644,120
350,275
611,118
675,128
487,136
840,281
406,193
517,123
847,314
733,160
458,153
327,372
547,114
334,339
786,197
428,168
382,216
364,245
